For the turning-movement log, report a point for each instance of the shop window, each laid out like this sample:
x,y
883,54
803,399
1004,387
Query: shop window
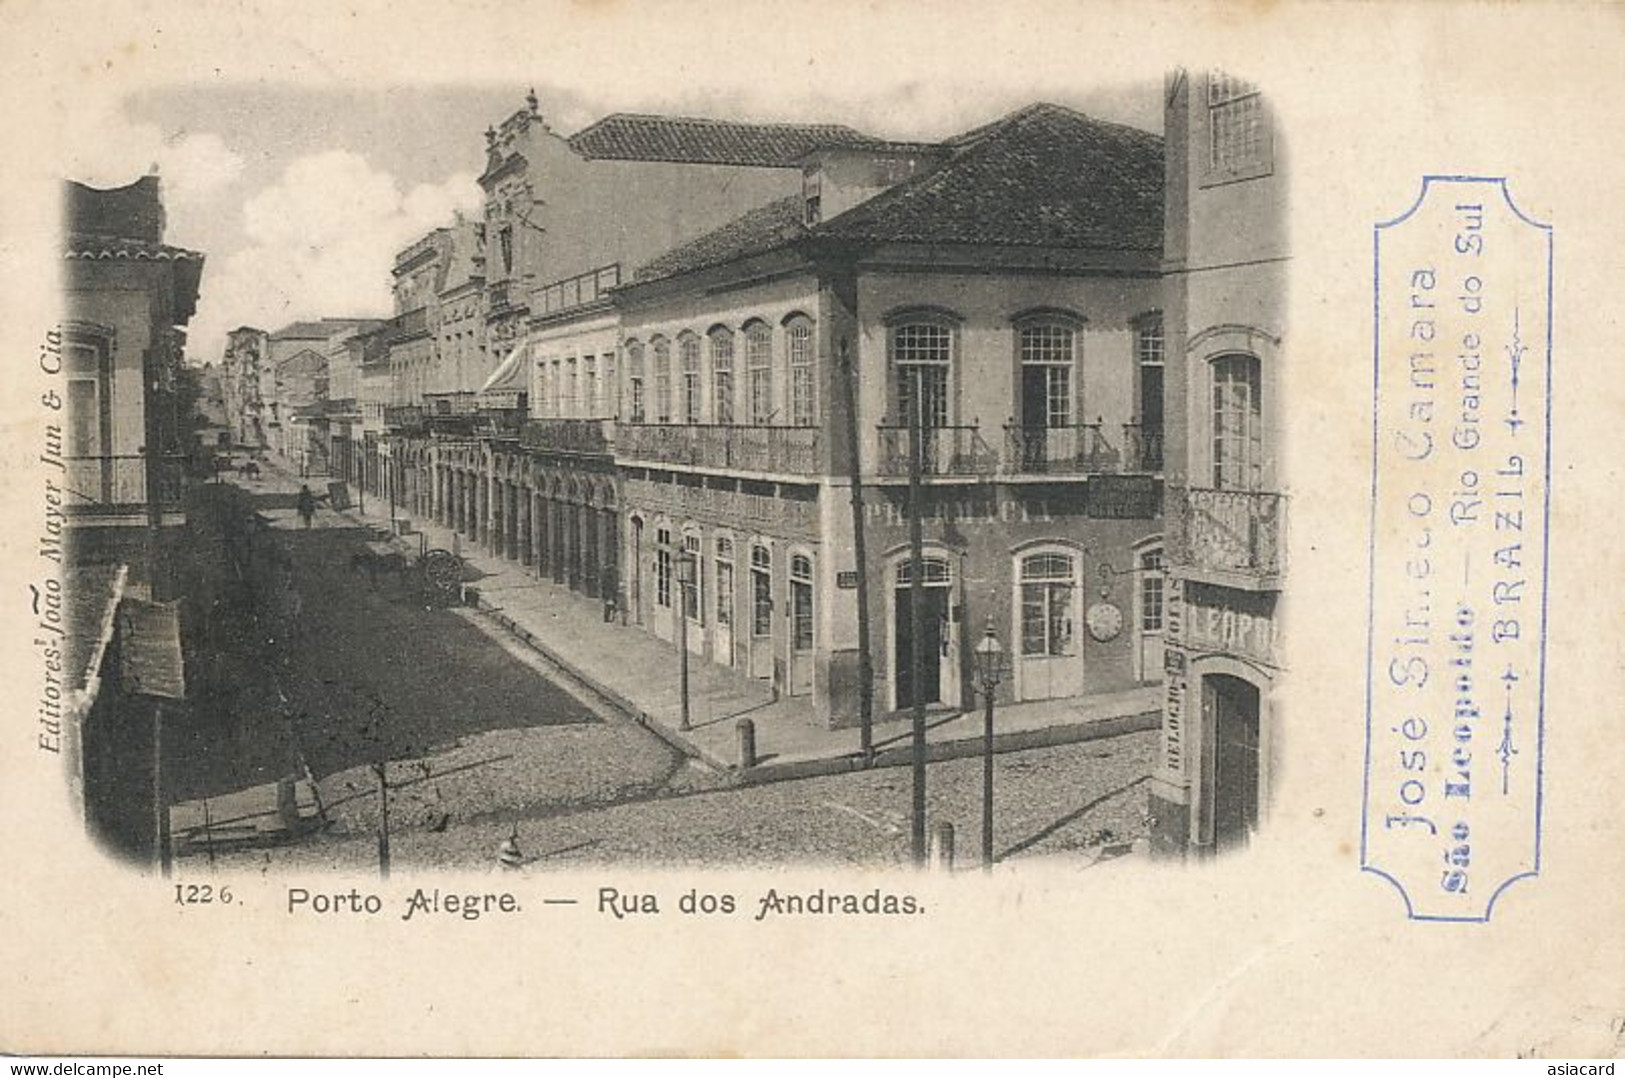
x,y
1047,583
663,568
725,582
761,582
694,594
1151,591
801,602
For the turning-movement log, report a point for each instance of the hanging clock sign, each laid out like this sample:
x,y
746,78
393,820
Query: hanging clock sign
x,y
1105,621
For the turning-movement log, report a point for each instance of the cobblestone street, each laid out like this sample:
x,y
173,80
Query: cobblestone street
x,y
1053,801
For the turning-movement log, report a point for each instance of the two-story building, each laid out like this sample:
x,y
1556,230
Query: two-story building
x,y
126,295
1225,266
999,290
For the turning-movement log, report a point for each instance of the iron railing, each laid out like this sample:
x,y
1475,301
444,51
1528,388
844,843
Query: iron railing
x,y
1234,531
944,451
585,436
783,450
106,483
1142,448
404,417
460,402
577,291
1081,449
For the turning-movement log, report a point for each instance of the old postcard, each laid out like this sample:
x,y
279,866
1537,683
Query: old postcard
x,y
641,529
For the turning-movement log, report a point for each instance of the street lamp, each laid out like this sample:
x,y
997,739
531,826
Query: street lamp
x,y
989,653
687,565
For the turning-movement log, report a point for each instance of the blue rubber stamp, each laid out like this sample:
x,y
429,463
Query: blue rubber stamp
x,y
1460,500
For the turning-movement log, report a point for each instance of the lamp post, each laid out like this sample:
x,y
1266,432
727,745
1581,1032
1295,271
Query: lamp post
x,y
686,566
989,654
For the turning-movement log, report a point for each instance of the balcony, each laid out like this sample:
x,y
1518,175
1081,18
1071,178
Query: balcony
x,y
723,447
577,291
118,484
587,437
1081,449
403,418
1234,537
945,452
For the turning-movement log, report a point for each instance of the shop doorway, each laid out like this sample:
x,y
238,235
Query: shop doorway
x,y
1230,711
938,661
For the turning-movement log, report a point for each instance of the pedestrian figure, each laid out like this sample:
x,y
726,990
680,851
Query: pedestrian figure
x,y
306,504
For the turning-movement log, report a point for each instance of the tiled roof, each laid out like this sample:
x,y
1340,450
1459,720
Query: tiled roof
x,y
632,137
100,248
756,232
320,329
1042,176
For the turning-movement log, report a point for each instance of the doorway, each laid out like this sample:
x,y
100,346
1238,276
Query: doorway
x,y
1230,713
938,660
801,625
1050,659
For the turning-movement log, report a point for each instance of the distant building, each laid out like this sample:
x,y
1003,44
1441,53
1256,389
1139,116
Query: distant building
x,y
246,352
1226,273
565,219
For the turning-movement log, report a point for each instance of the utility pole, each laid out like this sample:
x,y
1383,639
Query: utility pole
x,y
916,613
866,666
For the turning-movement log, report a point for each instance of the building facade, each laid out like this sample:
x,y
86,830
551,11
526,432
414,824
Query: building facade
x,y
246,350
1225,267
1002,289
127,296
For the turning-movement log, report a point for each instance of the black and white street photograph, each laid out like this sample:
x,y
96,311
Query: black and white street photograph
x,y
494,479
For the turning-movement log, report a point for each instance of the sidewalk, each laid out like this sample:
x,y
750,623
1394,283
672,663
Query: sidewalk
x,y
638,673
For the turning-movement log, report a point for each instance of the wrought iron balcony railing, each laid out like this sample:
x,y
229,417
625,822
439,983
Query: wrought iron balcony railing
x,y
1081,449
581,436
1234,531
944,451
119,483
768,449
1142,448
403,417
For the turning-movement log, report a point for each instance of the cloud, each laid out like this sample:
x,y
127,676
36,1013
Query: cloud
x,y
321,241
106,149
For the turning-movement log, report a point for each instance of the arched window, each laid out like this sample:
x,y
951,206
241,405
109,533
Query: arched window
x,y
1238,429
634,382
798,336
688,356
761,591
725,582
801,603
694,593
1149,362
921,357
1151,589
759,371
663,567
662,364
722,375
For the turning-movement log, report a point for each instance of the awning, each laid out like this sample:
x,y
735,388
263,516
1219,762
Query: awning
x,y
150,660
512,374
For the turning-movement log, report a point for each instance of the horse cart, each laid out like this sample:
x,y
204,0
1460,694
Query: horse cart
x,y
436,575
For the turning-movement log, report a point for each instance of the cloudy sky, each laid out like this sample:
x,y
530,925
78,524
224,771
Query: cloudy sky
x,y
300,198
